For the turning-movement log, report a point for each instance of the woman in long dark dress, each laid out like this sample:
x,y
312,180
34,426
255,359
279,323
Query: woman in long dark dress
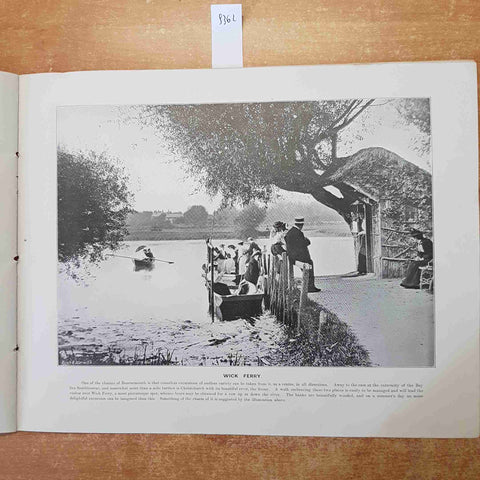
x,y
424,255
362,254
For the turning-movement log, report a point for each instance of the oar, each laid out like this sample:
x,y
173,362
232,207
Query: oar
x,y
134,258
164,261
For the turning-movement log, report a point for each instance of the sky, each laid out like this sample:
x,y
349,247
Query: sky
x,y
156,176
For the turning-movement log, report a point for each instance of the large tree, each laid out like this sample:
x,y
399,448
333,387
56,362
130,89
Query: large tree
x,y
243,151
93,204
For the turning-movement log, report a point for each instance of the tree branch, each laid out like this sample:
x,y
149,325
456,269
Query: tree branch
x,y
348,121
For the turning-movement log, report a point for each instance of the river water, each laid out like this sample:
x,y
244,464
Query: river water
x,y
132,314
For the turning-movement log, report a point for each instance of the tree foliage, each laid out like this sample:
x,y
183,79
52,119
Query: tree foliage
x,y
242,152
225,216
159,222
416,112
93,204
196,215
248,220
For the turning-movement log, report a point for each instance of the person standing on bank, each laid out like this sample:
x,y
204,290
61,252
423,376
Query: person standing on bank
x,y
277,238
362,253
297,250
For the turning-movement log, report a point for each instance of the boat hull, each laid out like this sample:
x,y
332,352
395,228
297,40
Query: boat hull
x,y
241,306
144,264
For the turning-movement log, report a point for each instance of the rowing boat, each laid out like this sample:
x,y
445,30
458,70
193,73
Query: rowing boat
x,y
143,264
241,306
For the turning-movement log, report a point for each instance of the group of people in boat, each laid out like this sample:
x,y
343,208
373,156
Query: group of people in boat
x,y
243,261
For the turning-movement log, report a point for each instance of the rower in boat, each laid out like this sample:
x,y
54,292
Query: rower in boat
x,y
148,254
147,262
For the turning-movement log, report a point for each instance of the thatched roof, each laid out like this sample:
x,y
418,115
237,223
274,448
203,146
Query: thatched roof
x,y
377,172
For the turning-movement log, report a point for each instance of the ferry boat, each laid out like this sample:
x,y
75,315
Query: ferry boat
x,y
239,303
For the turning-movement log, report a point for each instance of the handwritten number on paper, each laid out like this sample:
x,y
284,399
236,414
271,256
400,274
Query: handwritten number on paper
x,y
226,19
226,26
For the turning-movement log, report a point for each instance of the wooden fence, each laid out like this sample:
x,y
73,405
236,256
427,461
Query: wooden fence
x,y
284,297
396,250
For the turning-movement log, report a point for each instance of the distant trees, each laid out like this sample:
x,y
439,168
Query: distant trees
x,y
159,222
93,204
248,220
196,215
225,216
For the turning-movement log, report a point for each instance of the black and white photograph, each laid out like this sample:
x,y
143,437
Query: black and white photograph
x,y
263,234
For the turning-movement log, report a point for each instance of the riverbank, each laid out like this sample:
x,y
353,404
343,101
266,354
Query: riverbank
x,y
323,341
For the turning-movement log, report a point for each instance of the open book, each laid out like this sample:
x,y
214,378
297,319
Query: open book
x,y
277,251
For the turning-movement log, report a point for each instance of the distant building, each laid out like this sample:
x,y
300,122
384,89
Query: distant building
x,y
169,216
172,216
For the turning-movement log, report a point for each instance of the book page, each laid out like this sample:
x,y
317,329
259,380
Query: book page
x,y
8,249
279,251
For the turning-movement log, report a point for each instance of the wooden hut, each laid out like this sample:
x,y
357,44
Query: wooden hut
x,y
387,196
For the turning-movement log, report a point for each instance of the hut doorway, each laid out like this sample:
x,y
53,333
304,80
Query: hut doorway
x,y
368,236
362,228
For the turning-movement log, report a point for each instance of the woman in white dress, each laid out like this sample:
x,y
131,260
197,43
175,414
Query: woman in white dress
x,y
243,258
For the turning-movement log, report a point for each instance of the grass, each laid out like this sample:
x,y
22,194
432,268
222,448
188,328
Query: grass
x,y
323,341
144,354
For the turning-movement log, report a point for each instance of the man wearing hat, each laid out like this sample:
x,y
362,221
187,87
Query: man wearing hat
x,y
297,250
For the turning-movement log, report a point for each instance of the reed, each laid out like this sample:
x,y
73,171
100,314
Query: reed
x,y
145,354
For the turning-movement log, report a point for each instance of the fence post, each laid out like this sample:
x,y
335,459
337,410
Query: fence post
x,y
303,294
288,287
265,277
280,289
273,297
291,286
322,317
283,273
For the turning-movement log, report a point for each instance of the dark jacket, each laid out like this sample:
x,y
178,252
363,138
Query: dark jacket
x,y
427,247
297,246
253,271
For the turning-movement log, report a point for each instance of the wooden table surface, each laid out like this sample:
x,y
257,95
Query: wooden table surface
x,y
65,35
